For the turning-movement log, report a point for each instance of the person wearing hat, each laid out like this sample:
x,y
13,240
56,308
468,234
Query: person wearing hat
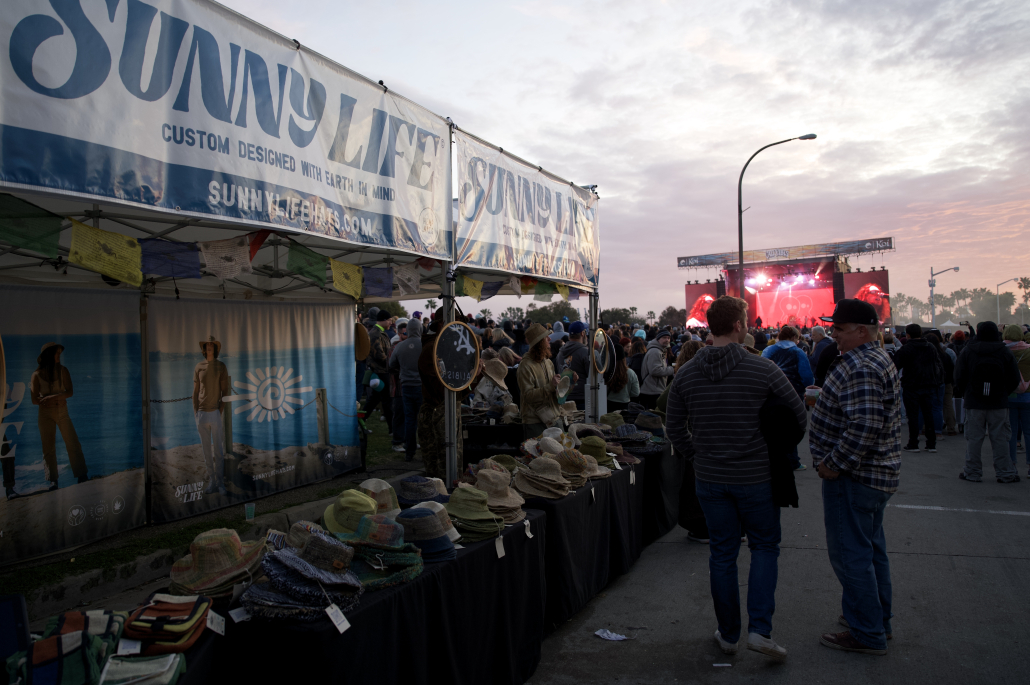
x,y
404,361
1019,401
655,371
210,385
855,439
378,362
576,356
492,389
51,387
537,384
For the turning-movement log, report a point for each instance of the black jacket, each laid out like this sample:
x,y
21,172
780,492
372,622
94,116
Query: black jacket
x,y
917,359
782,434
967,375
825,361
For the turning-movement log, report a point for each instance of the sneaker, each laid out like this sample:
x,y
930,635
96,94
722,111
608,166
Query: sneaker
x,y
726,647
963,476
800,467
697,538
398,448
1009,479
844,622
11,494
52,487
847,643
765,645
908,448
931,450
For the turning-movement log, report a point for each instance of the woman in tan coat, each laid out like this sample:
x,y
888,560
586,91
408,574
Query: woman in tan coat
x,y
537,384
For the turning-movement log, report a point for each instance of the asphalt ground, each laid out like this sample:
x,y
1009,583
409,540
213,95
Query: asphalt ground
x,y
960,566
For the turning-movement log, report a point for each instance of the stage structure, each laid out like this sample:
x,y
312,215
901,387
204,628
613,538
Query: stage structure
x,y
791,285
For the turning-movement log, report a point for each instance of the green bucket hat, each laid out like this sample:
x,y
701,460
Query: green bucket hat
x,y
594,446
507,461
469,504
1012,333
613,420
343,515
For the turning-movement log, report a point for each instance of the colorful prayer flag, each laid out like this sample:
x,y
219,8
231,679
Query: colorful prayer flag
x,y
305,262
257,240
490,288
469,287
165,258
27,226
111,254
543,291
378,282
573,294
347,278
515,283
228,258
563,290
406,278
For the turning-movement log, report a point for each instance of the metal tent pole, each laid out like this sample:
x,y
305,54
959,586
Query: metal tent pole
x,y
595,416
450,404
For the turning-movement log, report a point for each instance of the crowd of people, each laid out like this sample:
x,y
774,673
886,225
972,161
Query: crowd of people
x,y
734,402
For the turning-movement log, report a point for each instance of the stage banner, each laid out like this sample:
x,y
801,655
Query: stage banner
x,y
187,106
872,287
247,399
521,220
72,428
789,253
700,297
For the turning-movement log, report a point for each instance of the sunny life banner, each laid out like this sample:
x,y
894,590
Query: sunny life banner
x,y
518,219
186,106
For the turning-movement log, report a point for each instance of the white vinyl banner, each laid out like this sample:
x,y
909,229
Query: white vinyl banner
x,y
186,106
519,219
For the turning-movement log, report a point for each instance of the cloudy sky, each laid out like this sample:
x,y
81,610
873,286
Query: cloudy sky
x,y
922,109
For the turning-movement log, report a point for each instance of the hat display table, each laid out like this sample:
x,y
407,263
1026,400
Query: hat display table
x,y
627,515
663,474
477,619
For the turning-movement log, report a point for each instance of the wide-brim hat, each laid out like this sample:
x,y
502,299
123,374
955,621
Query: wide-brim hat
x,y
594,470
47,346
426,530
496,370
578,431
211,339
470,504
344,514
300,533
649,422
415,489
550,446
507,461
572,462
381,532
527,486
319,560
439,486
498,494
384,495
445,519
535,334
627,458
614,420
559,436
362,343
216,557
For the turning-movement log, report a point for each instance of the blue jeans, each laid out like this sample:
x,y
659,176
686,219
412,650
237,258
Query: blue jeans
x,y
919,408
795,459
727,508
1019,417
412,396
858,553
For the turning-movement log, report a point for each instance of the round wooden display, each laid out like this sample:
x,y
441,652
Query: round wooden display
x,y
600,356
456,353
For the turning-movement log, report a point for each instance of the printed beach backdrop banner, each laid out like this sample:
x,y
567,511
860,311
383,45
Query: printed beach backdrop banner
x,y
275,409
72,465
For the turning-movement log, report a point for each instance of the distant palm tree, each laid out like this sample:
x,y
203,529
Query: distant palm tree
x,y
961,295
1024,285
486,313
650,317
431,306
633,311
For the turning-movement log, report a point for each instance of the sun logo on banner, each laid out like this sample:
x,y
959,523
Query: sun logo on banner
x,y
272,394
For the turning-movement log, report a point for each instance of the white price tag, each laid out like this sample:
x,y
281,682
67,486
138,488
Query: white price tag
x,y
337,617
493,422
529,533
216,622
618,466
239,614
632,477
127,646
593,495
499,546
457,546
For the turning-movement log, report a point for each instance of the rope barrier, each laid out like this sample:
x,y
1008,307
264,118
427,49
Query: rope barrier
x,y
350,416
181,399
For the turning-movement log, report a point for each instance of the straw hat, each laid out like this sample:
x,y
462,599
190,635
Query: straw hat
x,y
649,422
564,439
573,467
511,413
535,334
613,447
532,448
47,346
217,559
470,504
578,431
594,471
627,458
594,446
343,515
426,531
498,494
439,486
415,489
543,479
300,533
376,531
323,558
507,461
497,370
550,446
362,344
564,385
614,420
445,520
210,339
384,495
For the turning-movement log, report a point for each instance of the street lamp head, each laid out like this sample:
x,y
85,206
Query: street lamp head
x,y
807,136
956,268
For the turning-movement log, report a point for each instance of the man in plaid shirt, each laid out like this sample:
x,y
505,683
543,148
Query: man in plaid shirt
x,y
855,439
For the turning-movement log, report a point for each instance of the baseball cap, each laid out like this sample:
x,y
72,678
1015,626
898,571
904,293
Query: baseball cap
x,y
577,327
853,311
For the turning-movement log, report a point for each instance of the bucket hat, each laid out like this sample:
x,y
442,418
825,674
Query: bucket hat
x,y
532,448
507,461
594,470
300,532
550,446
535,334
217,560
542,479
415,489
573,467
470,504
424,529
362,343
377,531
564,439
594,446
649,422
324,559
496,370
439,485
614,420
578,431
613,447
511,413
384,495
445,519
627,458
381,557
212,339
343,514
498,494
47,346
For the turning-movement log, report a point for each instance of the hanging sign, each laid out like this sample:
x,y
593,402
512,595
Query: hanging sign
x,y
518,219
456,353
186,106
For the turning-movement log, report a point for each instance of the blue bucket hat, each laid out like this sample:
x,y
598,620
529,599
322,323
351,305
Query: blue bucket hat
x,y
423,528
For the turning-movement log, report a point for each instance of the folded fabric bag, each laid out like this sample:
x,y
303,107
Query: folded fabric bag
x,y
168,623
69,659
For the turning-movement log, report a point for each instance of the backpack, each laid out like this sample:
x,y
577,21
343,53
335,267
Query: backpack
x,y
987,379
787,360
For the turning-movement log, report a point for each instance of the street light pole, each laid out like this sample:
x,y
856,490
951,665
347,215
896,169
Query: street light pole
x,y
933,282
997,294
740,212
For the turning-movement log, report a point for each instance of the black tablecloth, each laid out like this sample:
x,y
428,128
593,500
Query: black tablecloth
x,y
627,500
663,474
478,619
578,548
